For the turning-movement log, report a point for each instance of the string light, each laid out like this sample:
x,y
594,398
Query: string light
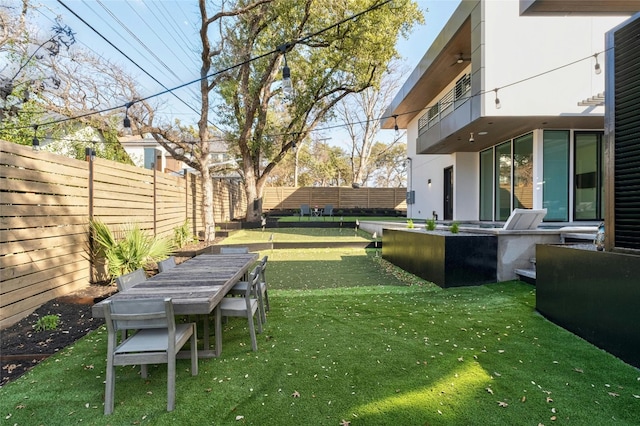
x,y
597,68
127,122
498,104
395,124
471,139
35,143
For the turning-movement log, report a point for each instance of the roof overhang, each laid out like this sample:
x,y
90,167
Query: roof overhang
x,y
435,70
578,7
489,131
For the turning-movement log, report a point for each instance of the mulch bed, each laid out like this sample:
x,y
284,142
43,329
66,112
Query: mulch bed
x,y
22,347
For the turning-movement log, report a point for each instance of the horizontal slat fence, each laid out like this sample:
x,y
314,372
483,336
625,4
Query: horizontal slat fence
x,y
287,198
46,201
45,204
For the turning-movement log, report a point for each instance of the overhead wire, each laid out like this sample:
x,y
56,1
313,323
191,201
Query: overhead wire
x,y
300,40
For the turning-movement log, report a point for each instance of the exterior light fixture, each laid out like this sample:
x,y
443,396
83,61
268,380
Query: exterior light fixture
x,y
471,139
429,182
287,86
127,122
497,101
35,143
395,125
597,68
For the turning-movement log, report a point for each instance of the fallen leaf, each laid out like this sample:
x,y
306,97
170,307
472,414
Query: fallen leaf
x,y
461,359
295,394
553,410
636,396
549,399
524,399
579,370
239,418
495,373
490,391
502,404
344,423
553,418
613,394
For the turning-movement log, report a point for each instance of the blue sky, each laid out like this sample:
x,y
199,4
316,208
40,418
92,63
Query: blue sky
x,y
160,37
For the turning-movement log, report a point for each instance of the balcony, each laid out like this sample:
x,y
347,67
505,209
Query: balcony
x,y
451,101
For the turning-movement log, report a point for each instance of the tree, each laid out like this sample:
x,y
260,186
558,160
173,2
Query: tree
x,y
362,114
323,71
389,165
27,68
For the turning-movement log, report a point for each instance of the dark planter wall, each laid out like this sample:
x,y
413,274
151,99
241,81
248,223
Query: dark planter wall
x,y
448,260
595,295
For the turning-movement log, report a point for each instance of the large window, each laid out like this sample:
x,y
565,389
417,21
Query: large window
x,y
486,185
523,172
506,178
588,176
555,175
503,181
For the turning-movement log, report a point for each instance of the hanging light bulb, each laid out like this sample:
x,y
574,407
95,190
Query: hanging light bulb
x,y
498,104
597,68
294,146
471,140
35,143
287,86
395,125
127,122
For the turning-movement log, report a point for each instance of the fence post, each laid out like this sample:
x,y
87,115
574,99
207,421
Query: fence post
x,y
155,200
89,154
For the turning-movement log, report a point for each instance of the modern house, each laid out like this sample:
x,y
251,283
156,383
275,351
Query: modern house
x,y
506,111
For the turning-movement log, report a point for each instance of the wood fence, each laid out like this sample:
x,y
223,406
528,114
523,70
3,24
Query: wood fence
x,y
287,198
46,201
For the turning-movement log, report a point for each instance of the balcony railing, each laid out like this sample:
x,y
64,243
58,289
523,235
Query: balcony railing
x,y
446,105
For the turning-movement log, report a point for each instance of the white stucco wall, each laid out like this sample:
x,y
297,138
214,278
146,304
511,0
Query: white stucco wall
x,y
517,48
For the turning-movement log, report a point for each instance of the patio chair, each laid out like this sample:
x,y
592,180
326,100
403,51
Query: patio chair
x,y
246,306
305,210
132,278
328,210
234,250
524,219
168,263
157,341
240,289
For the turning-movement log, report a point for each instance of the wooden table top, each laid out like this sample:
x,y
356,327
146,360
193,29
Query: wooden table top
x,y
195,286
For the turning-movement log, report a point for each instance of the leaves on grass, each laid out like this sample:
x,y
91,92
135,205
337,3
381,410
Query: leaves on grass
x,y
502,404
344,422
238,418
578,370
613,394
549,399
490,391
296,394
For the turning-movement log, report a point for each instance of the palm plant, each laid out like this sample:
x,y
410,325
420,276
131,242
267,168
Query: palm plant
x,y
129,247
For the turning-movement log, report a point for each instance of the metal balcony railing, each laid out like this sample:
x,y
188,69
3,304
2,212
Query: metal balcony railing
x,y
446,105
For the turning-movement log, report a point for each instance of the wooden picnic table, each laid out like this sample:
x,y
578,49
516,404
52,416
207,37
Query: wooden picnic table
x,y
195,287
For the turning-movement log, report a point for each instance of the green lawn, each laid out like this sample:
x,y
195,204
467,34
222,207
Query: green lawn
x,y
291,235
350,337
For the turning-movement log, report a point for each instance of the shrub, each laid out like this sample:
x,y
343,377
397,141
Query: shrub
x,y
47,322
431,224
410,223
182,235
454,228
129,248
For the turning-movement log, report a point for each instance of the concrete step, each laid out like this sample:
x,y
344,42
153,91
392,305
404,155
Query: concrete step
x,y
526,275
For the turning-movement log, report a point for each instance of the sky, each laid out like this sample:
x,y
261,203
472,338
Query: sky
x,y
157,42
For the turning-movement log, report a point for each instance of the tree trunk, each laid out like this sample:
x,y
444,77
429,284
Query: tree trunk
x,y
208,220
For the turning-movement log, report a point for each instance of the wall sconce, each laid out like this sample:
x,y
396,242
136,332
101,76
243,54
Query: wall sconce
x,y
429,182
